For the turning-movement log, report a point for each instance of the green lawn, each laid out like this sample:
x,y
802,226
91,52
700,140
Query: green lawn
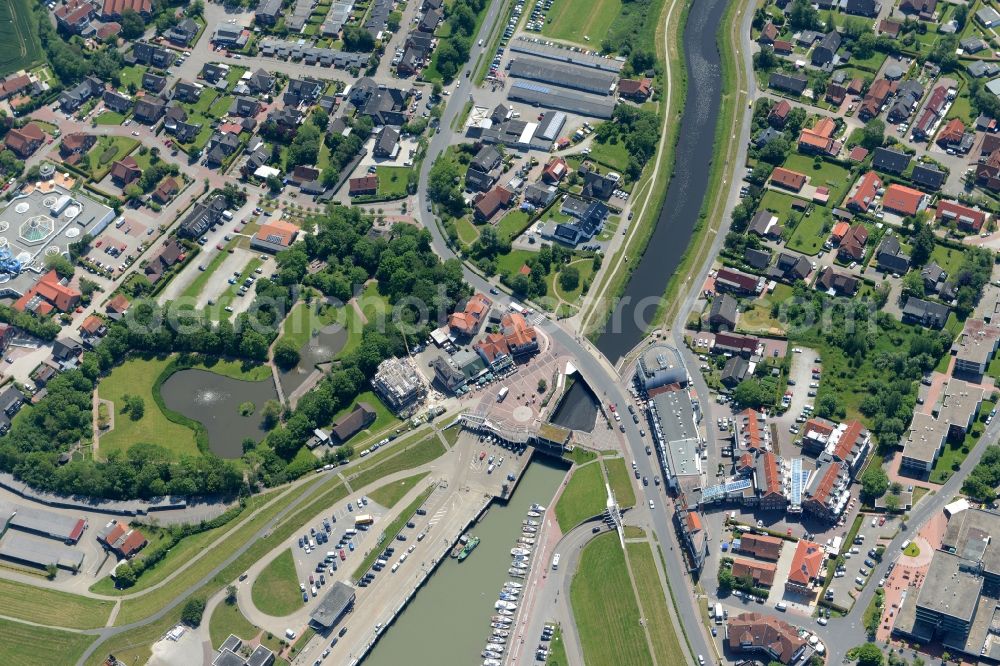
x,y
467,232
109,118
276,590
581,21
586,269
780,204
557,650
513,224
583,497
391,181
245,371
605,608
612,155
220,106
389,494
620,481
663,633
757,319
391,530
384,418
132,75
395,459
116,148
374,304
304,319
27,645
36,604
812,231
510,263
829,174
136,377
227,619
948,259
912,550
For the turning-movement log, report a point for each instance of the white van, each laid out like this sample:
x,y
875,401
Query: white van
x,y
395,567
290,635
782,606
905,545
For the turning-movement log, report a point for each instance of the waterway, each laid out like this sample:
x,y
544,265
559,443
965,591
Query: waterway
x,y
692,161
214,401
448,620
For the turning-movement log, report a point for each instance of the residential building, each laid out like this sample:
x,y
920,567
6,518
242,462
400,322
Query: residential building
x,y
925,313
24,141
489,204
467,322
734,371
734,281
520,337
852,245
806,567
773,639
761,546
890,161
149,110
825,52
969,220
202,216
723,313
353,422
876,96
975,347
736,343
49,294
928,176
637,90
890,256
959,403
363,185
790,83
112,9
145,53
837,283
183,33
865,193
779,114
121,540
788,179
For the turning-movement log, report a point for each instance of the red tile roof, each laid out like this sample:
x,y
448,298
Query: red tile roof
x,y
807,562
772,479
864,196
952,132
848,439
54,294
116,7
762,573
119,304
761,545
902,199
363,185
755,631
490,203
752,436
468,321
970,219
788,178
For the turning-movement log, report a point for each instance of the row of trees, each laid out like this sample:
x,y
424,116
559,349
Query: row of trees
x,y
453,51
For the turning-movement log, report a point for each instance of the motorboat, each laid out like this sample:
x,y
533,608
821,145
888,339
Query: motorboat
x,y
534,514
496,647
508,597
491,655
492,662
499,626
505,605
517,573
533,523
528,529
505,612
514,584
537,507
501,619
502,633
530,541
521,558
520,551
517,564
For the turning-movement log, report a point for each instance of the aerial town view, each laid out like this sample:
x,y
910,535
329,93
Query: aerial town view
x,y
499,332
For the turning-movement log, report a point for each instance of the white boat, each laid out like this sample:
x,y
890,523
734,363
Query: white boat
x,y
504,611
496,647
514,584
492,662
501,619
537,507
522,558
532,523
515,572
491,656
520,551
534,514
505,605
530,541
528,529
508,597
499,626
518,565
502,633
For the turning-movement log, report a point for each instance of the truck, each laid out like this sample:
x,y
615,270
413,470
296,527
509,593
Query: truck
x,y
363,519
718,613
502,394
516,307
834,549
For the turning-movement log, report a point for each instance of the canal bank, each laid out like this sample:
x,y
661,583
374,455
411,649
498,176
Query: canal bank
x,y
679,215
446,621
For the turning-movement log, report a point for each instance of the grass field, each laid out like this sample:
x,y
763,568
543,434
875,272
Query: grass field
x,y
829,174
227,619
654,605
27,645
392,460
19,32
620,481
136,377
276,590
614,155
577,20
109,118
391,530
812,231
391,180
912,550
36,604
605,608
584,496
513,224
389,494
467,232
91,163
557,650
383,417
132,76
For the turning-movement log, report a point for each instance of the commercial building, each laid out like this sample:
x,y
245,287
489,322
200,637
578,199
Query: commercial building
x,y
230,654
922,444
273,237
806,567
332,606
563,74
23,549
760,546
975,347
48,524
399,384
773,639
562,99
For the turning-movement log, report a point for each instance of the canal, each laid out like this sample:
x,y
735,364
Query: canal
x,y
633,314
449,619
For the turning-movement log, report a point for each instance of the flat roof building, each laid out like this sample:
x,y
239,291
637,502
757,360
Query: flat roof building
x,y
563,74
332,606
399,384
660,365
48,524
922,444
39,552
562,99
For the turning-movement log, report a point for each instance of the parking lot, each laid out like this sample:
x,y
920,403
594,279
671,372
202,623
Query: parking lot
x,y
116,247
845,587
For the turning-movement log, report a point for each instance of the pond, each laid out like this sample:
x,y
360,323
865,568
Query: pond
x,y
321,347
214,401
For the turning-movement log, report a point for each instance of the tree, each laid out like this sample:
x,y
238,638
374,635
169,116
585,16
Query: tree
x,y
913,284
803,16
271,414
874,483
50,571
869,654
569,278
895,487
60,264
542,385
286,355
750,393
125,576
132,25
923,243
231,594
135,406
358,39
873,134
193,609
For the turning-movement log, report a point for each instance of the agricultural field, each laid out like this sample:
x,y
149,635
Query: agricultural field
x,y
581,21
19,32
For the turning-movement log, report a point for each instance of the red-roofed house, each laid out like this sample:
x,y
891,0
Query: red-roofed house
x,y
904,200
25,141
779,114
874,99
165,191
852,245
113,8
492,348
761,545
76,143
121,539
745,345
775,639
554,171
806,567
750,430
363,185
637,90
864,196
492,202
48,294
791,180
14,85
117,305
518,334
783,46
768,34
770,495
731,280
125,171
762,573
467,322
826,498
952,133
967,219
74,17
92,326
839,230
819,138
